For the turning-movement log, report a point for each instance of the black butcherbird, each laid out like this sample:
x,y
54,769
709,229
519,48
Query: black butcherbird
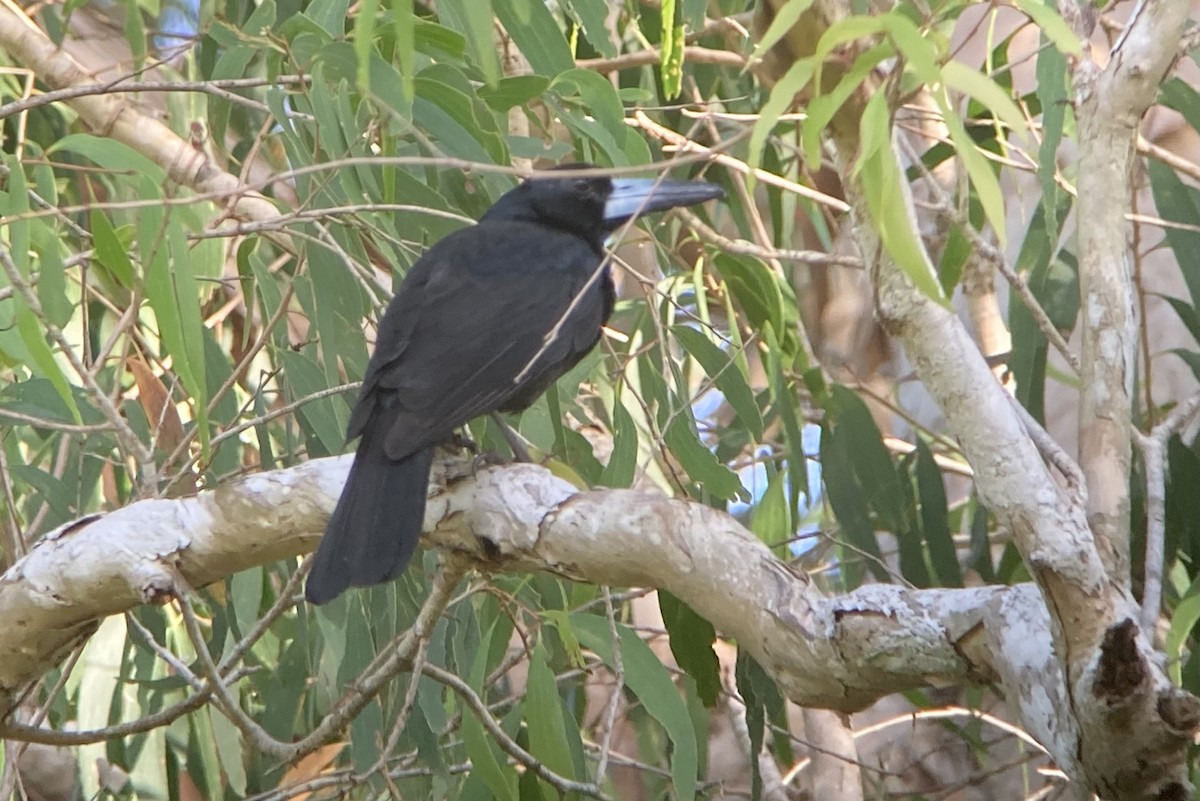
x,y
485,321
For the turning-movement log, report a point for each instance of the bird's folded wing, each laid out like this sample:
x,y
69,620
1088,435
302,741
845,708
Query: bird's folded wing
x,y
475,339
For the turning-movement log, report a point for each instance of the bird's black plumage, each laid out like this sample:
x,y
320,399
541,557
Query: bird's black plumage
x,y
485,321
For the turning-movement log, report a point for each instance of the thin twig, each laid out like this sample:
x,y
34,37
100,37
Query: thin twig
x,y
121,86
1051,450
290,218
234,375
388,665
683,144
410,697
255,734
331,167
147,471
164,717
614,701
773,784
507,743
1154,456
645,58
286,600
286,409
745,248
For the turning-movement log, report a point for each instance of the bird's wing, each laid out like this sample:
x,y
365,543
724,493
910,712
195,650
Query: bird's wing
x,y
469,327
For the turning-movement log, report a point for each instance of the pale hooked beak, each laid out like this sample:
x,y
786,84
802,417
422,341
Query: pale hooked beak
x,y
633,197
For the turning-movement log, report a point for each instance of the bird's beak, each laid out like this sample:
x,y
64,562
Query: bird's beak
x,y
633,197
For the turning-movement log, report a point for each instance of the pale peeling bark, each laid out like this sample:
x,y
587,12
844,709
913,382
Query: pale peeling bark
x,y
1116,709
1109,105
111,115
840,652
1120,728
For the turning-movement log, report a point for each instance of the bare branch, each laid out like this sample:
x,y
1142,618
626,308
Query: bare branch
x,y
644,58
1109,106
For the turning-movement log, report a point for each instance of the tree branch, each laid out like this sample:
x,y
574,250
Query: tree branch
x,y
1109,106
110,115
841,653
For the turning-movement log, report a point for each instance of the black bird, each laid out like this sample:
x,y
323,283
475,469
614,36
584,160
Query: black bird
x,y
485,321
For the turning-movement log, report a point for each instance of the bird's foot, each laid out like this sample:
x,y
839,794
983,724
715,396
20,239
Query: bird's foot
x,y
463,441
482,461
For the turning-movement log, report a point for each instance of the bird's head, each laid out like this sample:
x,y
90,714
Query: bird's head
x,y
594,207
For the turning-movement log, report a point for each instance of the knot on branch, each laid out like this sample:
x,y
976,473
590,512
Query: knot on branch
x,y
1121,670
1180,711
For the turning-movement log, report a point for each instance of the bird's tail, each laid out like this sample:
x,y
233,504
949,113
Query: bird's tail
x,y
375,527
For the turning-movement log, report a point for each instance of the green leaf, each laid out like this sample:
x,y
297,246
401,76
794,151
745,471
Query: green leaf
x,y
783,94
759,692
783,399
622,462
1183,621
785,19
1183,503
387,89
449,116
485,756
474,19
692,638
849,502
881,176
1181,96
757,290
918,52
330,15
592,16
109,251
1056,287
245,598
841,32
597,95
725,371
306,378
1053,26
515,91
975,84
28,326
534,29
701,464
1179,203
670,59
1052,94
822,108
190,362
364,35
544,718
586,127
772,519
979,170
109,154
229,751
52,274
869,457
935,518
406,46
438,42
646,677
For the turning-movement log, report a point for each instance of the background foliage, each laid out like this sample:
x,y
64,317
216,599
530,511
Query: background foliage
x,y
378,127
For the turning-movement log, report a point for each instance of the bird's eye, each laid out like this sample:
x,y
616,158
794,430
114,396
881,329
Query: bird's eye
x,y
583,185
